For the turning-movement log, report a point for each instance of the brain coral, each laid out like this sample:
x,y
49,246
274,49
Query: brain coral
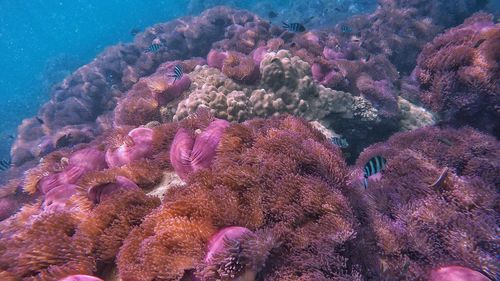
x,y
279,178
459,74
436,204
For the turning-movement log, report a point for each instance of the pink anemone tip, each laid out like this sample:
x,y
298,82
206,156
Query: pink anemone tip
x,y
139,146
456,273
80,277
102,192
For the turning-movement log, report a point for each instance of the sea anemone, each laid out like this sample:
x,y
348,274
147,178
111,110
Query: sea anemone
x,y
137,145
190,152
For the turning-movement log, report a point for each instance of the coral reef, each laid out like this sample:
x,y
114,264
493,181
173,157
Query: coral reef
x,y
459,74
271,198
286,87
435,204
92,91
46,248
44,245
285,186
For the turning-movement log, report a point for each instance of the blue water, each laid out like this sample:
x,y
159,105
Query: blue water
x,y
43,41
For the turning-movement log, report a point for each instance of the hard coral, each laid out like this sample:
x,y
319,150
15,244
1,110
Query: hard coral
x,y
285,184
459,74
434,204
214,90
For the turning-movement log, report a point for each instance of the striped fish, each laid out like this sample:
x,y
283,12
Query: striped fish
x,y
153,48
346,29
340,142
372,167
177,72
4,164
294,27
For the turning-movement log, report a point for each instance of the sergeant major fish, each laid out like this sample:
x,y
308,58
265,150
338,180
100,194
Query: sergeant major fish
x,y
294,27
153,48
177,72
374,166
5,164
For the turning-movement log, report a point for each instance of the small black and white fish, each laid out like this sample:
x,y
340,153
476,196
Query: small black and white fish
x,y
39,119
340,142
374,166
272,14
153,48
294,27
177,72
5,164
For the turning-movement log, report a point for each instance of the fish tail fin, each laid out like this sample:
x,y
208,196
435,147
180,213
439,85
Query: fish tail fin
x,y
285,25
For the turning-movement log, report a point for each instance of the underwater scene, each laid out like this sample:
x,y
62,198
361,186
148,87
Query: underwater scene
x,y
204,140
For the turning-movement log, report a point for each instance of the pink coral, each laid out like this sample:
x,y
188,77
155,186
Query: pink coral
x,y
190,153
216,58
216,243
456,273
80,277
137,145
57,197
79,163
69,176
98,193
89,159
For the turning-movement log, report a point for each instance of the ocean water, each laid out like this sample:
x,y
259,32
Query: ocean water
x,y
249,140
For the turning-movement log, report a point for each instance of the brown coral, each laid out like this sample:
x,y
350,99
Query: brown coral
x,y
112,220
285,180
240,67
46,249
